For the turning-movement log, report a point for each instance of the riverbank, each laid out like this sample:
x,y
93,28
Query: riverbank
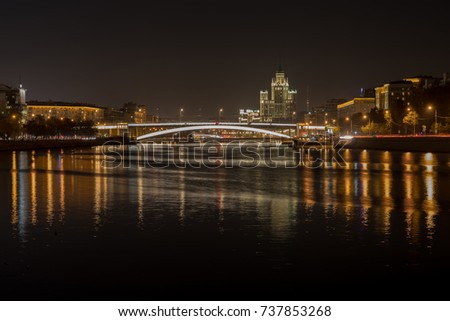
x,y
432,144
11,145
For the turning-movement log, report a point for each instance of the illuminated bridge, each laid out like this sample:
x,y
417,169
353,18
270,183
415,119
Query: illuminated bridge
x,y
227,129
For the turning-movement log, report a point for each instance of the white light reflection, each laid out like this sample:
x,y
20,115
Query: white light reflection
x,y
140,197
49,189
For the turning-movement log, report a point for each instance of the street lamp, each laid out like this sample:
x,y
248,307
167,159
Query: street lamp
x,y
351,124
181,113
293,116
368,123
435,119
389,116
220,114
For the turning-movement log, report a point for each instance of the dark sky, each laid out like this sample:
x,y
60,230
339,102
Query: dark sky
x,y
212,54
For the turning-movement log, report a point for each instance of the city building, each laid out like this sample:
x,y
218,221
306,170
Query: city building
x,y
140,114
424,82
355,106
406,92
367,93
130,113
13,102
310,118
395,94
61,110
325,114
281,105
249,115
153,118
113,115
134,113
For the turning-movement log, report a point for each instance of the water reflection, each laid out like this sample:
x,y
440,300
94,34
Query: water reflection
x,y
33,196
14,214
140,198
430,204
50,190
375,189
182,201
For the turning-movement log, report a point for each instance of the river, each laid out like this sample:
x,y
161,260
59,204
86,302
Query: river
x,y
76,226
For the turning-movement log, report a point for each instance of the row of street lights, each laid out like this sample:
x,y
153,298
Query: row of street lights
x,y
409,109
334,121
220,114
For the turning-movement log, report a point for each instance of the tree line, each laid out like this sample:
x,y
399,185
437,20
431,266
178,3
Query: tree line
x,y
41,127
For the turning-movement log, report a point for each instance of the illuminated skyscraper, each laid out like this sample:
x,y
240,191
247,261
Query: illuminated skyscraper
x,y
12,102
282,103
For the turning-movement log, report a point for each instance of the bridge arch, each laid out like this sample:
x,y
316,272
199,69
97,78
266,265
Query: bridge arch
x,y
193,128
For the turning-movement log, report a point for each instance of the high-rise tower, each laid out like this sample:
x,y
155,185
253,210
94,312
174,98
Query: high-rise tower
x,y
282,103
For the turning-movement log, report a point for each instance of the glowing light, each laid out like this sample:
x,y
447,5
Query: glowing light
x,y
193,128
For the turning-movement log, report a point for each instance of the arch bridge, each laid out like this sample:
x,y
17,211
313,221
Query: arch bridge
x,y
150,130
204,127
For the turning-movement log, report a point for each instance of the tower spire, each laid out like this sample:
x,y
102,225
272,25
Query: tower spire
x,y
280,69
307,98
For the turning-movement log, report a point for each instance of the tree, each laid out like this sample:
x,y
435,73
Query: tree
x,y
6,128
374,128
376,115
85,128
36,127
411,118
388,119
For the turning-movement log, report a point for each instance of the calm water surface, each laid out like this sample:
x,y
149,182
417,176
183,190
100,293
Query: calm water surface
x,y
378,228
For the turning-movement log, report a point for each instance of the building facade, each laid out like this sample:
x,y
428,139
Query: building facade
x,y
325,114
13,102
62,110
395,94
134,113
249,116
140,114
281,105
355,106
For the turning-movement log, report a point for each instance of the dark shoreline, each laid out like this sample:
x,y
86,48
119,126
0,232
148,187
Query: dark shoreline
x,y
423,144
19,145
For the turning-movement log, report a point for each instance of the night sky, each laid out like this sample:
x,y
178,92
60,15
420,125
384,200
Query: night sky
x,y
213,54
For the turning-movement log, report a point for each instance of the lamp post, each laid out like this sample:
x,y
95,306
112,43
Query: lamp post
x,y
181,113
365,117
414,119
220,114
389,116
435,119
351,124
